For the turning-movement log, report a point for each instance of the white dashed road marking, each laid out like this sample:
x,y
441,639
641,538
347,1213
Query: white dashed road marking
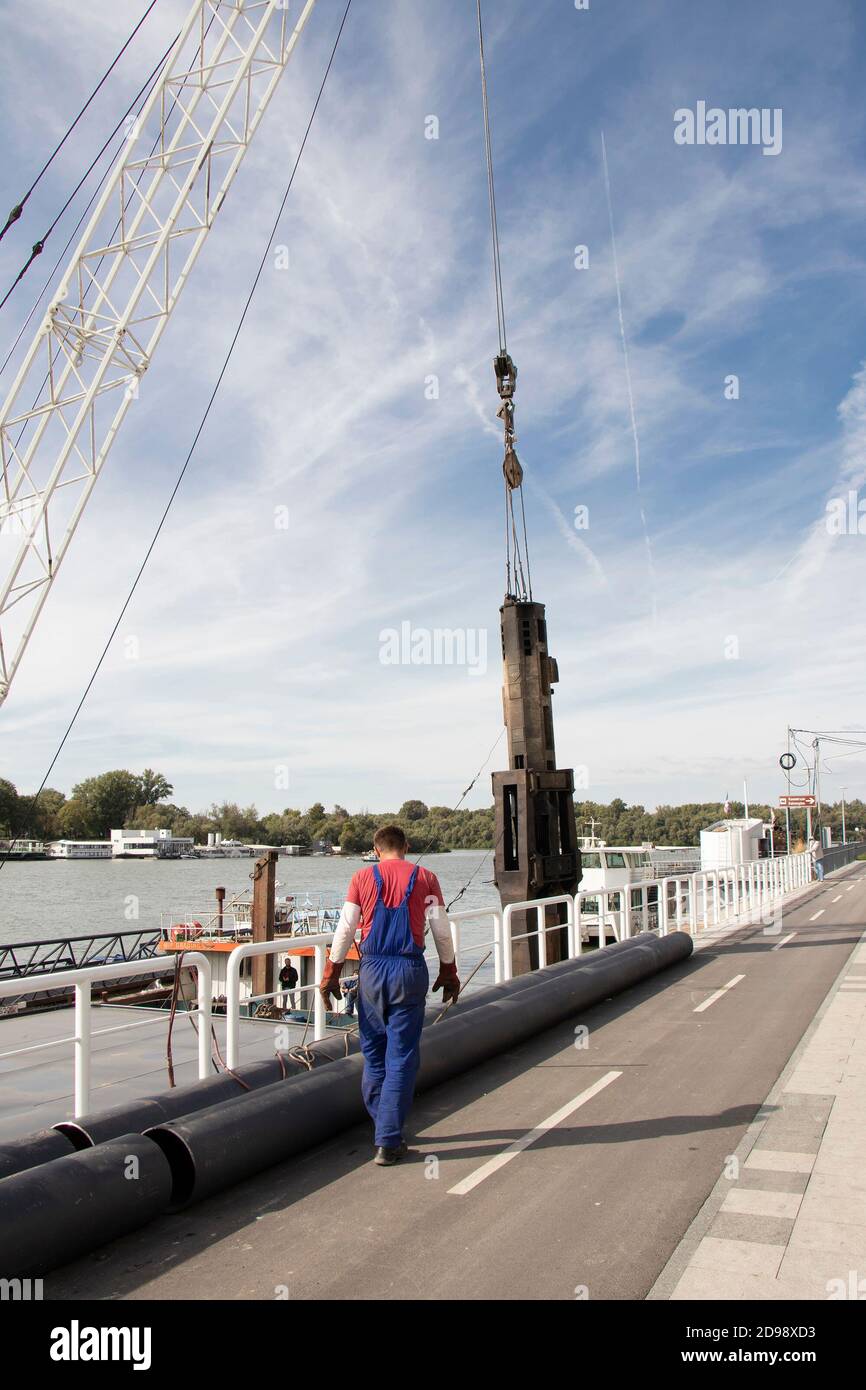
x,y
718,994
785,939
494,1164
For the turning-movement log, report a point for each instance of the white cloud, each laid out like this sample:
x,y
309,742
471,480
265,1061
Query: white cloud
x,y
260,645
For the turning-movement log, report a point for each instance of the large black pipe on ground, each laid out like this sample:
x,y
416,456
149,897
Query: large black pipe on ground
x,y
222,1145
66,1207
55,1212
136,1116
32,1149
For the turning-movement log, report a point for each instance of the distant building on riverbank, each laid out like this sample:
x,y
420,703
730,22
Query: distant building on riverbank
x,y
79,849
149,844
729,843
22,849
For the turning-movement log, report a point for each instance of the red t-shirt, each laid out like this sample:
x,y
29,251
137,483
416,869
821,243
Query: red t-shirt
x,y
395,880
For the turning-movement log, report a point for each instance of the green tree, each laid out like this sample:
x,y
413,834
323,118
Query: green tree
x,y
413,810
75,821
43,813
237,823
8,807
153,788
109,800
152,817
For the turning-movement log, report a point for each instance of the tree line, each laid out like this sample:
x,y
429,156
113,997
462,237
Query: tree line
x,y
121,798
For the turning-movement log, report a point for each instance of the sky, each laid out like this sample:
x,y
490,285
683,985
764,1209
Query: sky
x,y
348,481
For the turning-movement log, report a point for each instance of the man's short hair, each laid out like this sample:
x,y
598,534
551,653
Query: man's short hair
x,y
391,839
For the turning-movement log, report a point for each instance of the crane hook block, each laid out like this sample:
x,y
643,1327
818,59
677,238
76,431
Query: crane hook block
x,y
506,375
511,467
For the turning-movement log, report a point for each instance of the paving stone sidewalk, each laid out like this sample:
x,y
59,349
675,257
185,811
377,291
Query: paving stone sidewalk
x,y
792,1223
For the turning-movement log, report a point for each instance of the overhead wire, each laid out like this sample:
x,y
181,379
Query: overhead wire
x,y
465,792
143,91
18,209
39,246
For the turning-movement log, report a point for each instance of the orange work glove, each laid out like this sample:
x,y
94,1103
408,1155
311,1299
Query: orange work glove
x,y
329,986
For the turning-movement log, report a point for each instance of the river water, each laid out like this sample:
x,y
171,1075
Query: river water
x,y
42,899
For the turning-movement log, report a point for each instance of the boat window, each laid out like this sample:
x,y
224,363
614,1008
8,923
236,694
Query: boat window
x,y
615,861
590,861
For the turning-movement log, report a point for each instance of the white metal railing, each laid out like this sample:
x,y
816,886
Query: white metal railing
x,y
457,921
233,988
82,981
682,902
693,902
542,928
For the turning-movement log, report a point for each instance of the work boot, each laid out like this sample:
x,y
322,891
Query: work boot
x,y
386,1157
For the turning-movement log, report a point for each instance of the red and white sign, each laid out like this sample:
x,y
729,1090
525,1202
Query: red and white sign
x,y
795,802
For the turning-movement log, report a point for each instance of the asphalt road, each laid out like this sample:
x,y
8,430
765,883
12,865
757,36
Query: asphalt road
x,y
593,1207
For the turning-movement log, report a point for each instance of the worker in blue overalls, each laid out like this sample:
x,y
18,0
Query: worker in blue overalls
x,y
393,902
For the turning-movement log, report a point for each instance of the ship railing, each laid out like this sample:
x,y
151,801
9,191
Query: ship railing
x,y
200,924
82,981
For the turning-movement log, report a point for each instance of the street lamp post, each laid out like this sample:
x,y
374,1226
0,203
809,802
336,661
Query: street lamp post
x,y
844,838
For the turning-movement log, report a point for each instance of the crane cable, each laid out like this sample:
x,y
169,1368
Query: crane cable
x,y
144,91
39,246
200,428
518,579
19,207
146,88
491,192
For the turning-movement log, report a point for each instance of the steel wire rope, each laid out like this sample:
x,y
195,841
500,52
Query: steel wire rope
x,y
19,207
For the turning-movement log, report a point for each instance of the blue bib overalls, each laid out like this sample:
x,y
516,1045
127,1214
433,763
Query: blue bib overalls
x,y
392,992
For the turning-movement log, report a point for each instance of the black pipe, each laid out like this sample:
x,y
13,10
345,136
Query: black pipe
x,y
222,1145
57,1211
54,1213
16,1155
134,1117
137,1116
